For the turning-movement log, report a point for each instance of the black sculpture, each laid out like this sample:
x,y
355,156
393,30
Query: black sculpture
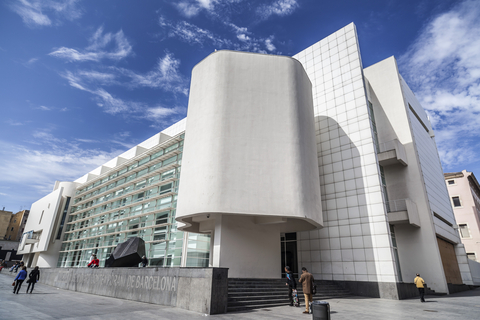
x,y
127,254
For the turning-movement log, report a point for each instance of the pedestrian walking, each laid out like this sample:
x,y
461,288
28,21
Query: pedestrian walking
x,y
34,276
307,284
19,279
420,286
291,283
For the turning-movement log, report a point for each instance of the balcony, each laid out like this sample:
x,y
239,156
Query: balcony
x,y
403,211
392,152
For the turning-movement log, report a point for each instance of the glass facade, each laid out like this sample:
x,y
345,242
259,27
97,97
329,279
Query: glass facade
x,y
135,199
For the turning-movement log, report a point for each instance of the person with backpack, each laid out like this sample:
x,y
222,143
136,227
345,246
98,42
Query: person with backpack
x,y
291,283
19,279
34,276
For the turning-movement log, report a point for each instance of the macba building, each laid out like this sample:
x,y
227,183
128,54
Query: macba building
x,y
310,160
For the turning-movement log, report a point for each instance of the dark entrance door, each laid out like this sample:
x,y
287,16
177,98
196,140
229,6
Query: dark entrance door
x,y
289,252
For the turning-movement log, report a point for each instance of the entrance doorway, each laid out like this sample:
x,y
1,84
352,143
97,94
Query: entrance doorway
x,y
289,252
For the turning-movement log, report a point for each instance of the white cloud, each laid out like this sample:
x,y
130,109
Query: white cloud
x,y
37,167
102,46
190,8
195,35
165,76
44,108
278,7
443,67
192,34
14,122
34,12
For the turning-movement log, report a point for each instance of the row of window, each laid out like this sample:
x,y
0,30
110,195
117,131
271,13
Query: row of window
x,y
129,168
163,205
136,186
154,192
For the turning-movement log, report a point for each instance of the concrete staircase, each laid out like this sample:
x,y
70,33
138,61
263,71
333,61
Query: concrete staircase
x,y
246,294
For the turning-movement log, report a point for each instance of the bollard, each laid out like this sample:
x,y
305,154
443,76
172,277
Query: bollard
x,y
320,310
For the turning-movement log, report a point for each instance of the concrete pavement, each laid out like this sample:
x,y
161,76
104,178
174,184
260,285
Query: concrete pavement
x,y
51,303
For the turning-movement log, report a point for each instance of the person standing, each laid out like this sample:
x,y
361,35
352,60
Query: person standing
x,y
144,261
34,276
19,279
307,284
291,283
420,286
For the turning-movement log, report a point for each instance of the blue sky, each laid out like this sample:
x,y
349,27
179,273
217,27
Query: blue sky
x,y
83,81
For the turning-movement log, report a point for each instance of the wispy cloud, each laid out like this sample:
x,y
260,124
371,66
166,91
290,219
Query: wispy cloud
x,y
44,108
277,8
41,12
194,35
443,66
104,99
191,33
102,46
190,8
38,166
14,122
165,75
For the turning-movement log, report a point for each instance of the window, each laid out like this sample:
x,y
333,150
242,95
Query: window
x,y
471,256
450,182
456,202
11,229
464,233
41,216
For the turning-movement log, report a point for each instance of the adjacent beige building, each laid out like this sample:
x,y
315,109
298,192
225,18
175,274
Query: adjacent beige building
x,y
464,191
4,223
17,225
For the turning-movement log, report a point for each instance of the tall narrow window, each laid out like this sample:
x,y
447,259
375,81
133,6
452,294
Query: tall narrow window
x,y
464,230
395,252
64,215
41,217
374,126
456,202
384,188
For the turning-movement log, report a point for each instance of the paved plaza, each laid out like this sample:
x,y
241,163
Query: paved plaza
x,y
51,303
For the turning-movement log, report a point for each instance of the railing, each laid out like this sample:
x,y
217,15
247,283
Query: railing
x,y
396,205
387,146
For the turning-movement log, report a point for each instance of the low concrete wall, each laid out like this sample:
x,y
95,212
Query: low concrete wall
x,y
201,290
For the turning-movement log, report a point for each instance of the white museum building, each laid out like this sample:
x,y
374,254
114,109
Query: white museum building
x,y
308,160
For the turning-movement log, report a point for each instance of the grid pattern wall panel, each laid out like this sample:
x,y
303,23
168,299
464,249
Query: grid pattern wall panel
x,y
354,244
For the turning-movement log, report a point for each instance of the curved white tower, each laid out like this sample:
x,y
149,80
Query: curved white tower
x,y
249,168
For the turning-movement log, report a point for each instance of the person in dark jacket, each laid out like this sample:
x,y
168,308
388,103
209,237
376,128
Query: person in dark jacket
x,y
144,261
34,276
19,279
291,283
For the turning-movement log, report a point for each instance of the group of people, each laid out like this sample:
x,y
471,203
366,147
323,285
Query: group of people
x,y
34,276
307,281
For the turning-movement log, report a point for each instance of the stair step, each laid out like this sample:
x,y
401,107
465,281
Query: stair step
x,y
247,294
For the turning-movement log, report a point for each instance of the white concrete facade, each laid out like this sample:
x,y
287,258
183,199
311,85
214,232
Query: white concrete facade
x,y
250,152
315,145
381,178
